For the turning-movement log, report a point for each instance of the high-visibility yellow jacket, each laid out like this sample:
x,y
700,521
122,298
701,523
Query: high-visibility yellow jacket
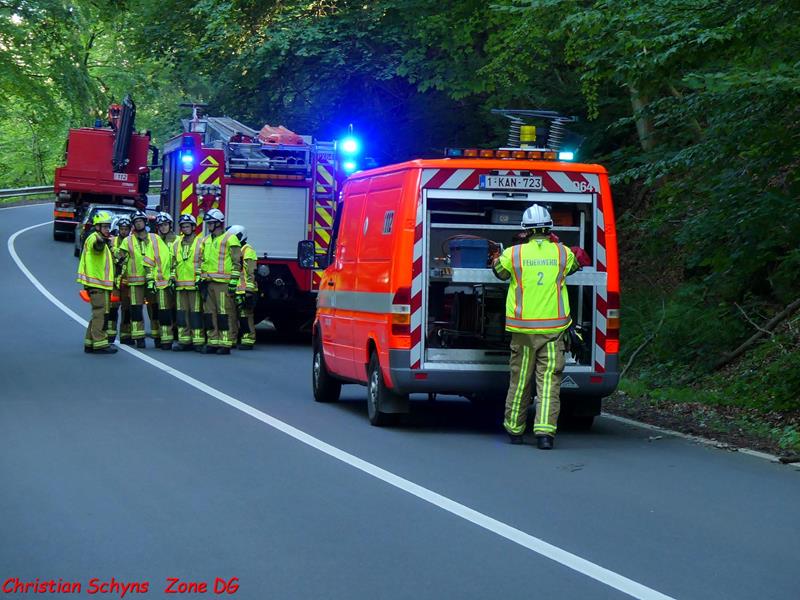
x,y
96,268
186,259
221,257
162,260
537,300
139,261
247,280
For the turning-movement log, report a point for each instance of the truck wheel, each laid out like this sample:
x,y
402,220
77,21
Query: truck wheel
x,y
326,387
379,396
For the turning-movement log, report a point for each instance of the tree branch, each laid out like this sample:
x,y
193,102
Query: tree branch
x,y
646,341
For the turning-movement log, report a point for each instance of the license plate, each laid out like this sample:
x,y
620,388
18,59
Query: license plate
x,y
510,182
120,177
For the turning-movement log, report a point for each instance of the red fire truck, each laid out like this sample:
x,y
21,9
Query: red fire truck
x,y
104,165
279,185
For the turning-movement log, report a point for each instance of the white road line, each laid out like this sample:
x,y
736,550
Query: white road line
x,y
554,553
27,206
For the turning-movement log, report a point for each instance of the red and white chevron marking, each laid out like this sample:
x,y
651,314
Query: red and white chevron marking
x,y
416,292
469,179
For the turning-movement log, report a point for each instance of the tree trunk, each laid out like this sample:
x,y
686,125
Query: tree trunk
x,y
644,127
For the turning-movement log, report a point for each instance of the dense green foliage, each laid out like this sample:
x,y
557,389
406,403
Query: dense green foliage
x,y
691,104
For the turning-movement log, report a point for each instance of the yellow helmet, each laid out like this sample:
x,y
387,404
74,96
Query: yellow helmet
x,y
102,217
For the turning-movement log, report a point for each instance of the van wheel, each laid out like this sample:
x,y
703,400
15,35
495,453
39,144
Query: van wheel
x,y
326,387
579,423
378,395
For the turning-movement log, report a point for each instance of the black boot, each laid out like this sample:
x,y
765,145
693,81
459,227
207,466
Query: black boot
x,y
106,350
544,442
166,346
223,350
245,346
181,347
140,343
127,342
208,349
515,439
87,349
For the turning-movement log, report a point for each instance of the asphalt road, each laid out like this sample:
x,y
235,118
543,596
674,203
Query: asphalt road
x,y
203,467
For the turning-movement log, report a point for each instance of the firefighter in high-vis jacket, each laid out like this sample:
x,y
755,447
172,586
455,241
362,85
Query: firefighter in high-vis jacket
x,y
96,274
164,228
537,315
186,259
247,290
138,273
220,271
121,282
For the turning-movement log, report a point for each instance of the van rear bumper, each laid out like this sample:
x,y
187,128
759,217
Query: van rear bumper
x,y
474,381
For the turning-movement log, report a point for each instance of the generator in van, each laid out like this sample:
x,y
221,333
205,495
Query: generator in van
x,y
408,302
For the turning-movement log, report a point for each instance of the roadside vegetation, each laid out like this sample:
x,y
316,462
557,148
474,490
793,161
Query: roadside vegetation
x,y
693,106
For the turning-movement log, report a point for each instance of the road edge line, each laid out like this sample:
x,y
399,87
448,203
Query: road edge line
x,y
698,439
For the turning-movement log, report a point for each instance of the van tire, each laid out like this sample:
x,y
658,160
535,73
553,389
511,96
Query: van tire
x,y
326,387
379,396
578,423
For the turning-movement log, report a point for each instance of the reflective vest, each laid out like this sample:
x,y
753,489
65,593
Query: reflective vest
x,y
537,300
186,260
247,279
140,259
217,263
162,260
96,268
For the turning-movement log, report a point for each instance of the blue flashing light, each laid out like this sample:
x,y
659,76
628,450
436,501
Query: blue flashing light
x,y
350,145
454,152
566,155
349,166
187,160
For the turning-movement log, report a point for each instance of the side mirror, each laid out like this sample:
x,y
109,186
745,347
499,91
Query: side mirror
x,y
307,257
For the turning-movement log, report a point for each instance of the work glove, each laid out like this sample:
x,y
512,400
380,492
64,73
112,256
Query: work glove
x,y
581,256
233,285
151,285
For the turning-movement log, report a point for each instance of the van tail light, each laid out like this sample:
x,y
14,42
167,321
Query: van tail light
x,y
612,324
401,312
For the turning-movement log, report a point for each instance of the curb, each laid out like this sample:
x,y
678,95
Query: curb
x,y
700,440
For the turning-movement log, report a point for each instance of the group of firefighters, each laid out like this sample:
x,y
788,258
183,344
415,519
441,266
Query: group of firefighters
x,y
199,290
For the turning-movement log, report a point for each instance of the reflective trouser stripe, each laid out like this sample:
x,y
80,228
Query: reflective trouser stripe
x,y
190,317
165,306
125,313
137,294
152,314
221,316
518,398
247,326
548,381
96,336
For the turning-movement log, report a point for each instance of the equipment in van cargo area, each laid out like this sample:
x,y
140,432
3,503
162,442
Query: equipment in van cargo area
x,y
507,217
469,254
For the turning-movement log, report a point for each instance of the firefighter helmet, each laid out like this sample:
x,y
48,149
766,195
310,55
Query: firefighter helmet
x,y
162,218
124,222
215,214
114,229
102,217
239,231
187,219
537,217
139,215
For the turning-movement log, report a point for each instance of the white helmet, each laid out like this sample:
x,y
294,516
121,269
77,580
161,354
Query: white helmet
x,y
215,214
537,217
239,231
163,217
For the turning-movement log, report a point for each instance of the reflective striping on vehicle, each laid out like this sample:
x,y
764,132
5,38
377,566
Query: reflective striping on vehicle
x,y
369,302
416,289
